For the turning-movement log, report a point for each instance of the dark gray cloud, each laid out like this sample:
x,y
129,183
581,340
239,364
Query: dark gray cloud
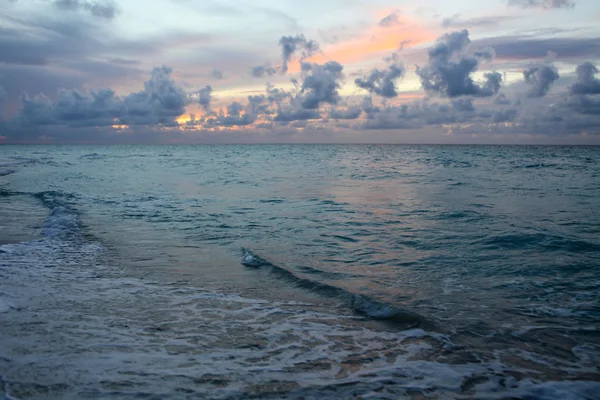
x,y
16,48
205,97
352,112
463,104
321,84
370,109
491,84
448,72
40,43
504,115
291,44
289,114
46,55
70,108
456,21
276,95
257,105
528,47
24,78
101,70
586,83
584,94
451,115
237,114
102,9
501,99
3,95
217,74
261,71
412,116
545,4
419,114
390,20
234,117
540,78
383,82
584,104
161,102
46,52
573,115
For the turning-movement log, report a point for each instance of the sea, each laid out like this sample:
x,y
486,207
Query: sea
x,y
299,272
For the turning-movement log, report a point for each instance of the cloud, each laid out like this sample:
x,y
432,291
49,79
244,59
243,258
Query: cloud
x,y
545,4
586,83
204,98
448,72
353,112
217,74
445,114
3,95
583,104
161,102
261,71
501,99
584,94
573,115
237,114
456,21
463,104
289,114
504,115
45,55
291,44
72,108
321,84
390,20
383,83
370,109
104,9
540,78
409,116
528,47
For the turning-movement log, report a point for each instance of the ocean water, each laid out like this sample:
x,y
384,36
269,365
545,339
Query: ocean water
x,y
299,272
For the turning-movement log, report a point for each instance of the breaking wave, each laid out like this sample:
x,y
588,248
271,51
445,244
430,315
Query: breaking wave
x,y
359,303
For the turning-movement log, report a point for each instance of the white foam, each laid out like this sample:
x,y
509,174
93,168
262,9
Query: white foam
x,y
90,328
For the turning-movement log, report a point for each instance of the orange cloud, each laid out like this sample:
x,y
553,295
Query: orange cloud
x,y
377,41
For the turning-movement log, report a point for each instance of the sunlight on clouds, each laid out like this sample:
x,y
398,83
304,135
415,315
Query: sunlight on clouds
x,y
378,41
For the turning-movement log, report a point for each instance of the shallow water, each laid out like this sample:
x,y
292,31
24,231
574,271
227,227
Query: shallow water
x,y
382,272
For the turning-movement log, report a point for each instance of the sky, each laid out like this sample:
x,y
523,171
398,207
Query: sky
x,y
311,71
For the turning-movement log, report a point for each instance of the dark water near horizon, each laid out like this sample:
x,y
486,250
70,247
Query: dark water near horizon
x,y
377,272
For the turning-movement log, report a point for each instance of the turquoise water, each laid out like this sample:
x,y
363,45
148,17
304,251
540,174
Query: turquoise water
x,y
369,271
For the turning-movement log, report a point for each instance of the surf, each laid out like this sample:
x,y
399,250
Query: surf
x,y
358,303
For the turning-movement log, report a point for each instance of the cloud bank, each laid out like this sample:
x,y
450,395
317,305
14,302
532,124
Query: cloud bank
x,y
461,86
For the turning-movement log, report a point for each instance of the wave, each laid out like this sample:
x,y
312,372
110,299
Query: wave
x,y
325,274
93,156
359,303
5,306
546,241
539,166
4,172
63,220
